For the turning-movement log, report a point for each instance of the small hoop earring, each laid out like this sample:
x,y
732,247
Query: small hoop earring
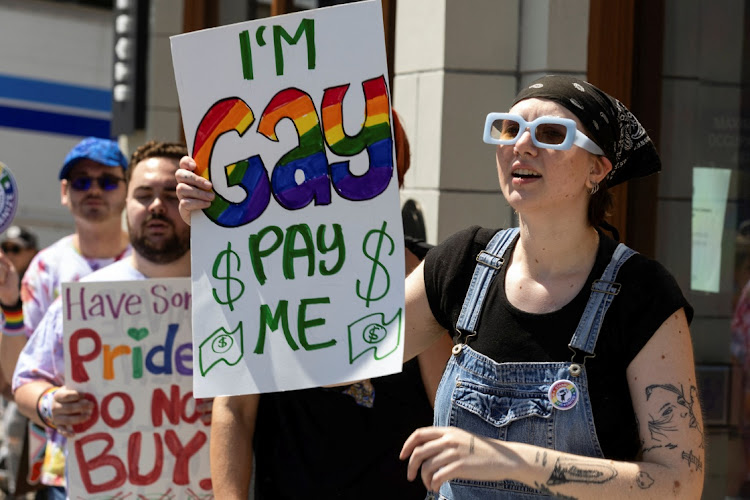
x,y
594,189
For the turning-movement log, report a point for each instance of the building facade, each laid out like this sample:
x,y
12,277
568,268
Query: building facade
x,y
682,66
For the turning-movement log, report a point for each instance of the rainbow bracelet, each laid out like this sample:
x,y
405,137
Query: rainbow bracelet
x,y
44,406
14,326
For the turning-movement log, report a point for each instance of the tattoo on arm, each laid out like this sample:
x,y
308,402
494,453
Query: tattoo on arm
x,y
569,470
638,431
644,480
544,489
659,425
670,446
692,460
680,406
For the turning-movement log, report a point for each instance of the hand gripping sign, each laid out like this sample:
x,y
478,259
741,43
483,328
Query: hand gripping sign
x,y
297,266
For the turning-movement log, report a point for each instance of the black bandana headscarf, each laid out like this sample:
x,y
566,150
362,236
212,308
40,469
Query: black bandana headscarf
x,y
610,124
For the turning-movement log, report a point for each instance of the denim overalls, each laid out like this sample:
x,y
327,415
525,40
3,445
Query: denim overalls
x,y
513,401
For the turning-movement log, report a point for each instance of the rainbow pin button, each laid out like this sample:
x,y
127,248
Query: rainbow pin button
x,y
563,394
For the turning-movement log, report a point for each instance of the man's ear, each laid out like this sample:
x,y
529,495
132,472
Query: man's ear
x,y
64,191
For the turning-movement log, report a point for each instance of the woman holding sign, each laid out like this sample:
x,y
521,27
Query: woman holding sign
x,y
572,373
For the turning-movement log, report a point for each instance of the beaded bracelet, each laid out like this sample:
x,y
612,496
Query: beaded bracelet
x,y
44,406
14,326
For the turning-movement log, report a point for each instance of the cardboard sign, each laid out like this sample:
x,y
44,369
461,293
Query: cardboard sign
x,y
298,265
128,347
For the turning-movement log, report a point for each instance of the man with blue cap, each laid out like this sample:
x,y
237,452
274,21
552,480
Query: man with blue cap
x,y
93,187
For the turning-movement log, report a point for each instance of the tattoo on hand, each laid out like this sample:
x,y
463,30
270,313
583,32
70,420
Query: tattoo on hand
x,y
644,480
568,470
682,406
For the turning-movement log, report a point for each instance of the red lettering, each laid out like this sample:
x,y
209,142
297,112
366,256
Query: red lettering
x,y
160,405
88,424
104,459
77,359
181,474
134,455
128,409
186,399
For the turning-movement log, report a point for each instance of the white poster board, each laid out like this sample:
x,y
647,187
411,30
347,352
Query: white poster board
x,y
298,265
128,347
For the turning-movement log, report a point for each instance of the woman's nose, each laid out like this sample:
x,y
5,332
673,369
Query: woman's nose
x,y
524,142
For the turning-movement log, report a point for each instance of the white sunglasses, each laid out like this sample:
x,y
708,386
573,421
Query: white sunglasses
x,y
549,132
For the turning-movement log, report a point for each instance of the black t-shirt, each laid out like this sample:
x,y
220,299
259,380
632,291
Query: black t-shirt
x,y
648,296
319,443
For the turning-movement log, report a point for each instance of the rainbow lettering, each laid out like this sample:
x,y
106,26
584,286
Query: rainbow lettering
x,y
181,357
375,135
309,156
250,174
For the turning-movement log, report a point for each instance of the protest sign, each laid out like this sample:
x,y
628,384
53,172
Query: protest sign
x,y
128,347
8,197
298,265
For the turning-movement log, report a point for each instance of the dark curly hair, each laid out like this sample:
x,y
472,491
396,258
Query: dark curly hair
x,y
155,149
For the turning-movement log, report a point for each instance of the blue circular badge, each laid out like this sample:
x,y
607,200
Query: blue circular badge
x,y
563,394
8,197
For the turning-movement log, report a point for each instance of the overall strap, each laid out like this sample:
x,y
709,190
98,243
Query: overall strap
x,y
489,261
603,292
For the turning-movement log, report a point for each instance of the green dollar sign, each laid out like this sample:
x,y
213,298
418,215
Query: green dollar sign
x,y
230,254
375,264
222,341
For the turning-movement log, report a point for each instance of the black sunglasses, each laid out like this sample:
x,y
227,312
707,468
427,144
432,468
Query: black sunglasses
x,y
106,182
10,248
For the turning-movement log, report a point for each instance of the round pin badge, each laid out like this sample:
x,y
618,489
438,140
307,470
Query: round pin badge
x,y
8,197
563,394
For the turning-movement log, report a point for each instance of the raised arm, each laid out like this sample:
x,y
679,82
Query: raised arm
x,y
37,298
232,431
663,391
422,329
9,281
13,335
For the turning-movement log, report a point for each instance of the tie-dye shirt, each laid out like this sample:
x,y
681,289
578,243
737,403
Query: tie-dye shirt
x,y
56,264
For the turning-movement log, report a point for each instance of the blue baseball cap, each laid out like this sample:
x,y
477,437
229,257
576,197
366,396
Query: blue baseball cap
x,y
104,151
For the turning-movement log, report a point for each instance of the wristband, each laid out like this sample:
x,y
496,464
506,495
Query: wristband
x,y
14,326
44,406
